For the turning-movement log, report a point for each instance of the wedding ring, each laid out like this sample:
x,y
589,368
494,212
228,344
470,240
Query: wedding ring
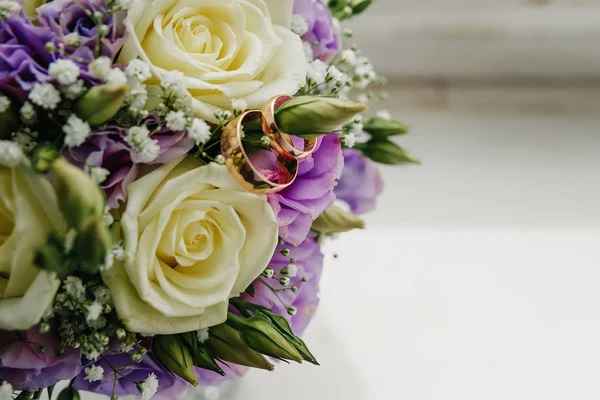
x,y
240,165
283,139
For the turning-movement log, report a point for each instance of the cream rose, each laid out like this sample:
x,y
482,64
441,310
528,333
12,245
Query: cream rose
x,y
193,240
28,212
226,49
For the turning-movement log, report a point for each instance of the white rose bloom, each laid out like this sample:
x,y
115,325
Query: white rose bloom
x,y
225,49
193,240
28,212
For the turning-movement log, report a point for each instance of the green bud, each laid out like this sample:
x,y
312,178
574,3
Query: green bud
x,y
201,354
359,6
386,152
50,256
380,128
100,103
308,116
174,355
227,345
337,220
94,242
79,198
69,393
43,157
260,334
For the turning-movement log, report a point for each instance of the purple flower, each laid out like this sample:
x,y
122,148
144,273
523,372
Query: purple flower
x,y
130,372
301,203
23,59
25,367
309,263
321,33
360,183
69,16
107,149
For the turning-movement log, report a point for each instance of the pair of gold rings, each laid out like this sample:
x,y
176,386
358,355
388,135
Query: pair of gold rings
x,y
287,155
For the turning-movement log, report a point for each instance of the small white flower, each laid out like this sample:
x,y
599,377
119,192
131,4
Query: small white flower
x,y
44,95
239,105
176,120
356,128
65,71
220,159
137,96
11,153
98,174
25,139
94,311
92,355
199,131
223,115
148,151
299,25
308,52
138,70
136,135
291,270
75,90
335,76
76,131
94,373
173,81
108,219
203,335
102,295
116,77
349,139
74,288
363,98
4,103
317,71
72,39
149,386
109,261
183,102
8,7
100,67
348,56
384,114
27,112
6,391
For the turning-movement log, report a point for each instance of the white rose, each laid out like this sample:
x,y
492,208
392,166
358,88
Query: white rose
x,y
193,239
28,212
226,49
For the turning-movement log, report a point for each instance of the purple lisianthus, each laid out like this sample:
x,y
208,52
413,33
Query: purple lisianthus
x,y
321,34
26,367
360,183
301,203
306,275
23,59
108,149
124,382
69,17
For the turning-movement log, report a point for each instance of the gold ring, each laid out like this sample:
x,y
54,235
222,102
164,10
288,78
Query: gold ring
x,y
283,139
241,168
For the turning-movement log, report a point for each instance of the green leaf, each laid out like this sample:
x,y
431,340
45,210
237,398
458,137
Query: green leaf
x,y
337,220
380,128
69,393
358,6
386,152
250,290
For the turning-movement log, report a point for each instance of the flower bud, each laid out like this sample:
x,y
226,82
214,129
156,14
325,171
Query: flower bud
x,y
43,157
359,6
69,393
386,152
337,220
263,337
201,354
171,352
78,196
95,242
308,116
380,128
227,345
100,103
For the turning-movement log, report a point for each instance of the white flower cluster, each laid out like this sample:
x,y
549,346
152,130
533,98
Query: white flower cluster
x,y
139,138
203,335
94,373
148,387
352,131
44,95
8,7
116,253
76,131
102,68
66,73
137,72
26,139
10,153
299,25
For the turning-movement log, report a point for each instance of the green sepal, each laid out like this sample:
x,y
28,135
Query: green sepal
x,y
227,345
170,351
386,152
201,354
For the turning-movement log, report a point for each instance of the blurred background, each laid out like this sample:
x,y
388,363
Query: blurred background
x,y
479,274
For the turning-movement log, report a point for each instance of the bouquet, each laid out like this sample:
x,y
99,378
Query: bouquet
x,y
168,172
